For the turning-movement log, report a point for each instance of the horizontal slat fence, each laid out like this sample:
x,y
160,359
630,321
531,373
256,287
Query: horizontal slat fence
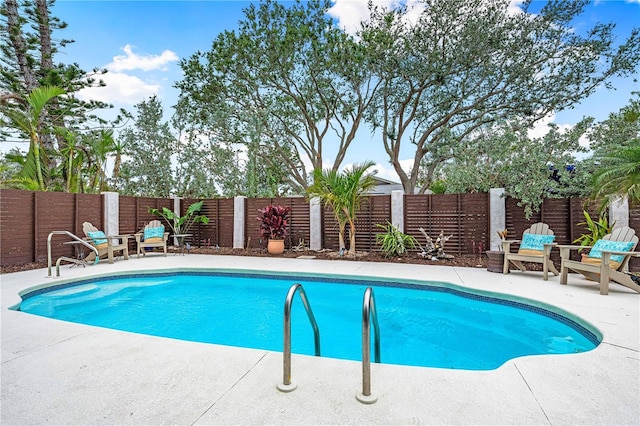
x,y
463,216
374,210
219,230
27,218
299,224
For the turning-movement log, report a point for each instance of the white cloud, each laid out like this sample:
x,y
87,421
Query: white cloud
x,y
350,13
541,128
125,88
120,88
133,61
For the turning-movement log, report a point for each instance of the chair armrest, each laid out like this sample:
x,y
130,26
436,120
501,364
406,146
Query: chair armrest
x,y
121,238
166,236
506,245
623,253
572,247
138,237
566,249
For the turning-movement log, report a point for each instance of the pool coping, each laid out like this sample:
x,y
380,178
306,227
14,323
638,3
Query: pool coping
x,y
68,373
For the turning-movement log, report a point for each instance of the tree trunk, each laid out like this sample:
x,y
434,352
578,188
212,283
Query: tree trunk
x,y
19,45
352,237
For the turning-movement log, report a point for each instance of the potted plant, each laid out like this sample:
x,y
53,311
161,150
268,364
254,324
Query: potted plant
x,y
274,224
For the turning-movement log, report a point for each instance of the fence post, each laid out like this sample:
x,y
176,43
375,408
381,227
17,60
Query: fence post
x,y
619,212
111,218
397,209
497,217
315,224
238,221
177,201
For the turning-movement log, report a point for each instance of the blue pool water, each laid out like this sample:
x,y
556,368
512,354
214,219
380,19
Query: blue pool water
x,y
422,325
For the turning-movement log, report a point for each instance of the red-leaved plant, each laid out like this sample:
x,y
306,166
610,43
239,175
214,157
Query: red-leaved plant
x,y
274,221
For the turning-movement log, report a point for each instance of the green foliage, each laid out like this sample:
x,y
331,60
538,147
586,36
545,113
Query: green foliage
x,y
597,229
26,119
288,79
503,156
274,221
393,242
148,146
438,186
441,87
343,192
182,224
618,174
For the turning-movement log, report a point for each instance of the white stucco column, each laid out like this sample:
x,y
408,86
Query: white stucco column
x,y
111,225
397,209
238,221
619,213
497,217
315,224
176,209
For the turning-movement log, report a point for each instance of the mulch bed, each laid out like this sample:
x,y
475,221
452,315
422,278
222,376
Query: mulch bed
x,y
472,261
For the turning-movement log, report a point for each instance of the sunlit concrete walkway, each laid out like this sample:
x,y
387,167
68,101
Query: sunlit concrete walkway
x,y
60,373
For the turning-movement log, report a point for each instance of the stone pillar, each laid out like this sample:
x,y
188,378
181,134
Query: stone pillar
x,y
497,217
111,225
397,209
238,221
619,213
176,209
315,224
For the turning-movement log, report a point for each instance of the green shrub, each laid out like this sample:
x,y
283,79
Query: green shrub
x,y
393,242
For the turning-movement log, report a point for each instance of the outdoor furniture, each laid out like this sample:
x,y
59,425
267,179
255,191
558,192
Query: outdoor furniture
x,y
181,241
105,244
153,235
606,260
535,246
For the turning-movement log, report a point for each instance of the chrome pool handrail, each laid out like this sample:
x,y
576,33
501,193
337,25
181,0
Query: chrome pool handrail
x,y
369,315
75,237
286,385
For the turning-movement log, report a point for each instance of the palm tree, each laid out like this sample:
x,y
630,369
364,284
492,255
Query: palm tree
x,y
27,120
343,193
620,175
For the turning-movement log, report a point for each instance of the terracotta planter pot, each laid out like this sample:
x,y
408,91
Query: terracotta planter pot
x,y
496,261
275,246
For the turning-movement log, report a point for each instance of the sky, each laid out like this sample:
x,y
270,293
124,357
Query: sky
x,y
142,42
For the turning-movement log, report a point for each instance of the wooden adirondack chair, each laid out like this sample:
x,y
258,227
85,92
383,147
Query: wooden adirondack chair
x,y
539,252
105,244
152,235
605,269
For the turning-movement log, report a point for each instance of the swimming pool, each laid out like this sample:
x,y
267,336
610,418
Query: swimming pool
x,y
421,323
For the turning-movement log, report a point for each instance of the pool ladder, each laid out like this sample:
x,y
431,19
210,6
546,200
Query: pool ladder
x,y
369,315
68,259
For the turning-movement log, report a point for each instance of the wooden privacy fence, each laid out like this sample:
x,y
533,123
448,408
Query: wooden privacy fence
x,y
27,218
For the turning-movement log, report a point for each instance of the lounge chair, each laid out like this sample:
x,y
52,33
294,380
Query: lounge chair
x,y
606,260
153,235
105,244
535,246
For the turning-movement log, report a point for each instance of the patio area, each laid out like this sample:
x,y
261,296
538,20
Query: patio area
x,y
56,372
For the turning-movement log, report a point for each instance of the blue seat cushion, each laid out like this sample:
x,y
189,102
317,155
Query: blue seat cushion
x,y
157,232
608,245
535,241
97,237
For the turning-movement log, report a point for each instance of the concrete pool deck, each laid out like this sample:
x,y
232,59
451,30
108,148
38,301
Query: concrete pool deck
x,y
56,372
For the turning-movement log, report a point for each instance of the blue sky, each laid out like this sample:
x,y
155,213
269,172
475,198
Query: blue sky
x,y
141,42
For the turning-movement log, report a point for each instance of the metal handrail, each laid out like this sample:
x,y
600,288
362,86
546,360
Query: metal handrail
x,y
286,385
75,237
369,314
